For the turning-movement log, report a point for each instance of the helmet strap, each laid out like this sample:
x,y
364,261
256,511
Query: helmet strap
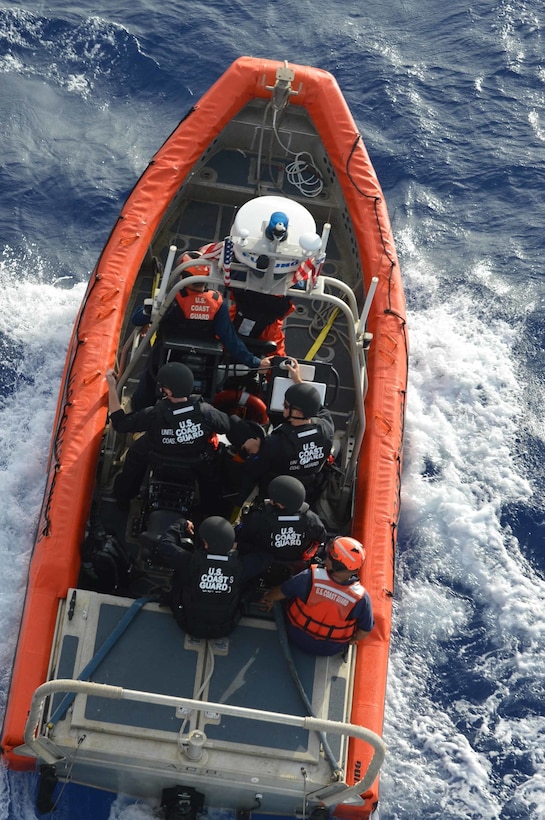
x,y
290,415
337,566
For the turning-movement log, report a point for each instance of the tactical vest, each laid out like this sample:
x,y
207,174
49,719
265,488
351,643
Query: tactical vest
x,y
306,448
325,614
206,600
179,431
284,535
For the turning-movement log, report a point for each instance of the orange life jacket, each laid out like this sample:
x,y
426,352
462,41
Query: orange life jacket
x,y
325,614
199,306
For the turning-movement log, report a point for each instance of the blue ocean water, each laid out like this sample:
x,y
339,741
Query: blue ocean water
x,y
450,100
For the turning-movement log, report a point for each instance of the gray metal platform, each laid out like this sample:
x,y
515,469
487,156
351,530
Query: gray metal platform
x,y
153,655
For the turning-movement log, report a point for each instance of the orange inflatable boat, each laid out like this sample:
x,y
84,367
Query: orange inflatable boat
x,y
265,194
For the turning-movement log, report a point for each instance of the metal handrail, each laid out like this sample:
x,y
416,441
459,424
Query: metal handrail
x,y
367,306
318,294
154,326
105,690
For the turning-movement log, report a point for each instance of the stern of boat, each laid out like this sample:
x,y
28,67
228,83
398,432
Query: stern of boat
x,y
165,710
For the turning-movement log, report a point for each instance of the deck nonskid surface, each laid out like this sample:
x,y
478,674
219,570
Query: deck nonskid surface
x,y
247,669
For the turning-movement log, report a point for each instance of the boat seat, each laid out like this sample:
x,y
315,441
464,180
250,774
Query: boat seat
x,y
202,356
206,347
259,347
171,486
157,523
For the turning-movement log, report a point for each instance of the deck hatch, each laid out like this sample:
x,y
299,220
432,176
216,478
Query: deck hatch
x,y
149,656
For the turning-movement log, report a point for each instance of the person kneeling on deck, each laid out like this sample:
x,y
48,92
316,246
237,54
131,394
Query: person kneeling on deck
x,y
298,447
205,595
180,430
283,530
328,608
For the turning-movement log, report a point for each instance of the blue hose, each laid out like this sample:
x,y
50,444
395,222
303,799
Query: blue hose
x,y
110,641
284,643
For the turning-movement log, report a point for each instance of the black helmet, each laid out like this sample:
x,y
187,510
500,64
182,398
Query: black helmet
x,y
177,377
304,397
287,491
218,534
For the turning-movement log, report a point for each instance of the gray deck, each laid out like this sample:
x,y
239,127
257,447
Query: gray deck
x,y
154,655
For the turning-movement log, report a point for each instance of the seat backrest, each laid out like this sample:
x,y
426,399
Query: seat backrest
x,y
170,491
194,346
202,356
